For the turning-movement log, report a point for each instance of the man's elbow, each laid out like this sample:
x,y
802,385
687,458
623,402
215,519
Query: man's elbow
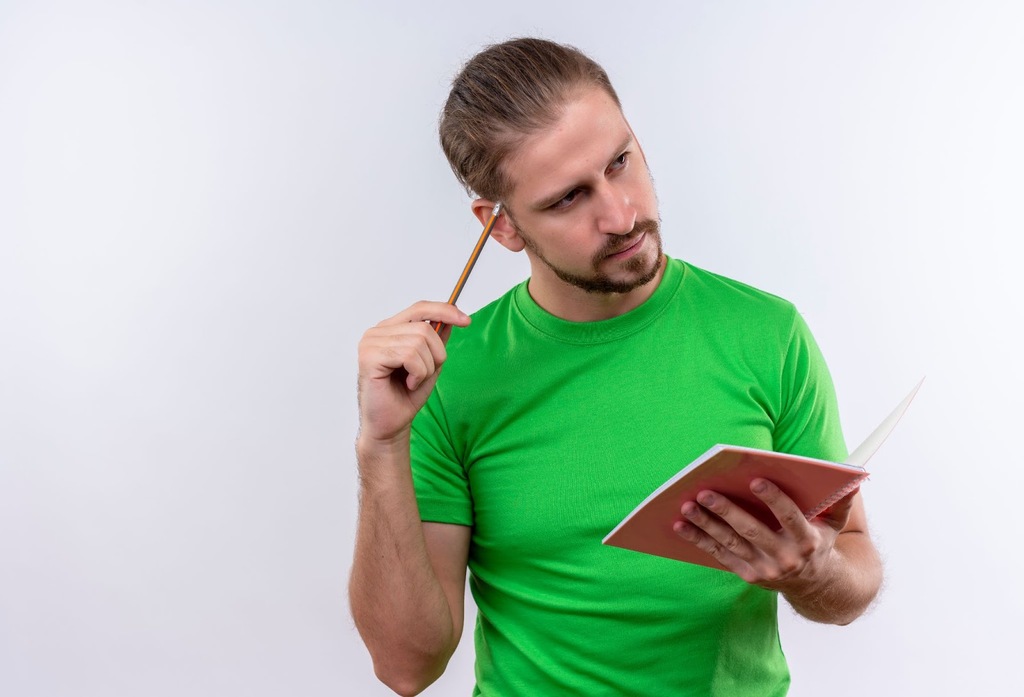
x,y
401,685
405,680
405,689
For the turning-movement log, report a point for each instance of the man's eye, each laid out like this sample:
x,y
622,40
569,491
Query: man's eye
x,y
620,161
567,199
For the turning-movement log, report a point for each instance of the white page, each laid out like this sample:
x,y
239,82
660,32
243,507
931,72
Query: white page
x,y
865,450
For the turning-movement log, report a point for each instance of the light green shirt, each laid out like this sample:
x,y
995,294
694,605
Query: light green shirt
x,y
543,434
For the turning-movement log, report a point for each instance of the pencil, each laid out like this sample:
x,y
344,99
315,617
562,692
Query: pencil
x,y
460,284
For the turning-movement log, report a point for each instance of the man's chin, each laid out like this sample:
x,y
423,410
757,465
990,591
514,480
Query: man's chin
x,y
642,267
633,273
643,270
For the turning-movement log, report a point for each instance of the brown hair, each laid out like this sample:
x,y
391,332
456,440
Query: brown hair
x,y
501,96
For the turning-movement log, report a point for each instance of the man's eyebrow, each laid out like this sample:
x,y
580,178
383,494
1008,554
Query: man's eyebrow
x,y
556,197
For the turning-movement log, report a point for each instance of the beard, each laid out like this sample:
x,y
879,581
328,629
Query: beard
x,y
641,270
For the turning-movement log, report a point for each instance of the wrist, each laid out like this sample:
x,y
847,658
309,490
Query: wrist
x,y
383,460
374,445
809,587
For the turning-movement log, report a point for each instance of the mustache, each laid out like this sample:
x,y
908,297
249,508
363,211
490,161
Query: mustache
x,y
641,227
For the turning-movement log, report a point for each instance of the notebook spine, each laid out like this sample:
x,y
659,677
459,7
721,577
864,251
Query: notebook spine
x,y
836,496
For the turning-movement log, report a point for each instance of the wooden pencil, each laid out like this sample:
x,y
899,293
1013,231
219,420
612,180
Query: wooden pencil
x,y
460,284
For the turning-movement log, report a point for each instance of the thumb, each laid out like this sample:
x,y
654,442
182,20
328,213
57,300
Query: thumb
x,y
837,515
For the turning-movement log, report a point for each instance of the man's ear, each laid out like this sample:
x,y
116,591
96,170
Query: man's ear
x,y
503,232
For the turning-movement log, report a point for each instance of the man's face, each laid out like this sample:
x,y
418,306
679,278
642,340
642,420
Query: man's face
x,y
583,202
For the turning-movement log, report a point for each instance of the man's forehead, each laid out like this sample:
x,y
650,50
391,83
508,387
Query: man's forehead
x,y
590,133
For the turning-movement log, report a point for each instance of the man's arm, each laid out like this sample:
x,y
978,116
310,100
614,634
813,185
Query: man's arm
x,y
408,578
849,583
827,568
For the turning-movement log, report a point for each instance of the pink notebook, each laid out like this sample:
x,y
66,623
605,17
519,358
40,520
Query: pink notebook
x,y
728,469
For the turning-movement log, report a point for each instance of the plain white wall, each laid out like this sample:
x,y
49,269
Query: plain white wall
x,y
202,206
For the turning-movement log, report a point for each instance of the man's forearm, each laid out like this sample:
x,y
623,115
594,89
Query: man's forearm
x,y
851,583
398,604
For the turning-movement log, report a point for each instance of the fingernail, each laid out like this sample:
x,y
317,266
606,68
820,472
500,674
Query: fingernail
x,y
760,487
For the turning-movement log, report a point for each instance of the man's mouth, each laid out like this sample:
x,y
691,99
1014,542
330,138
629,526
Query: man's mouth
x,y
630,246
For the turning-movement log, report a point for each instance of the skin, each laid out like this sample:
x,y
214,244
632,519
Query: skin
x,y
408,578
827,568
580,189
581,193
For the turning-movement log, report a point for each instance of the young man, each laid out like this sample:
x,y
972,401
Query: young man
x,y
562,405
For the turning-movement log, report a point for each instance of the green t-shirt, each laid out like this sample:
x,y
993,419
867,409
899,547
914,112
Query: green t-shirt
x,y
542,434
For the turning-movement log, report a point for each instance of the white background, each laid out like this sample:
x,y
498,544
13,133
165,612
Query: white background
x,y
203,205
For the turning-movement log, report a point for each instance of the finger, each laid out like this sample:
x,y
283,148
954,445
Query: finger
x,y
720,531
384,351
789,515
408,333
738,530
837,515
403,354
700,539
445,333
429,311
417,372
422,367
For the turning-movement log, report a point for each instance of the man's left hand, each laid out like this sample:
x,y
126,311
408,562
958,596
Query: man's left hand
x,y
795,559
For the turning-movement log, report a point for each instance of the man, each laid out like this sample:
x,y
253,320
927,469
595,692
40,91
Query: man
x,y
562,405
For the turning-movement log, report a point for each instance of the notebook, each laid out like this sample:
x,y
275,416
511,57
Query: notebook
x,y
813,484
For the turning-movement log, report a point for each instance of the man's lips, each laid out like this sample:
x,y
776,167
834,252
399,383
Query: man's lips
x,y
630,247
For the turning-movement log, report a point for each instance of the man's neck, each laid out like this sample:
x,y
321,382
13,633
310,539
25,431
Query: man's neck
x,y
574,304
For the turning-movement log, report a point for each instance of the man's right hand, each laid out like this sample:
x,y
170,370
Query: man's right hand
x,y
399,361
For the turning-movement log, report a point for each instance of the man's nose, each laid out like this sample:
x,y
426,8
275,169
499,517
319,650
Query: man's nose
x,y
616,215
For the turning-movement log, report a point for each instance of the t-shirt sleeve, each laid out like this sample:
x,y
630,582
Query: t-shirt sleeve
x,y
809,421
442,488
